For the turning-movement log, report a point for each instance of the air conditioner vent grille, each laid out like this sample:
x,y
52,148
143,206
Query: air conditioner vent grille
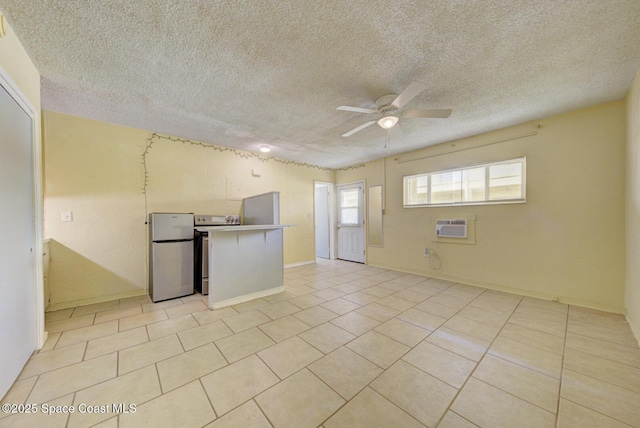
x,y
455,228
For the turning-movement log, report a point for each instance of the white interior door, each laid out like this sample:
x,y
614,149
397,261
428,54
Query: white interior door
x,y
321,216
18,319
351,222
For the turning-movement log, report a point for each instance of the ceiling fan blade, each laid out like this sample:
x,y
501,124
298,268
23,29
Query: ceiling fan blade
x,y
408,94
359,128
357,109
435,113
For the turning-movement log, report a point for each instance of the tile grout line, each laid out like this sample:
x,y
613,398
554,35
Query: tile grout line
x,y
590,377
637,348
68,419
598,412
368,385
479,361
455,397
272,386
324,355
564,349
209,400
363,289
258,405
601,357
433,331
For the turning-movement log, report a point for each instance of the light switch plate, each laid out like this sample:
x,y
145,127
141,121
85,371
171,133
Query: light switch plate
x,y
67,216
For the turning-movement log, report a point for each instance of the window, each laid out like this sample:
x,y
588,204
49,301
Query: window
x,y
492,183
349,202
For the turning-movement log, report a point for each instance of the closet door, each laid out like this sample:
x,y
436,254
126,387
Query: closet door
x,y
18,329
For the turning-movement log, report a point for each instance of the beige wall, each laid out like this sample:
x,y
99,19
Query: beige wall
x,y
565,242
96,171
632,296
16,62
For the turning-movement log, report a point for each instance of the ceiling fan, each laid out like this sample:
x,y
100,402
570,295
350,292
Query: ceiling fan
x,y
388,106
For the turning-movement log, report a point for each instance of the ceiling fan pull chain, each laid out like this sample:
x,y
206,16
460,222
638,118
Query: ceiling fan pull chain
x,y
387,140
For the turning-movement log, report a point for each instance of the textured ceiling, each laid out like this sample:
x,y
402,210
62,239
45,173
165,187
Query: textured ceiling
x,y
246,73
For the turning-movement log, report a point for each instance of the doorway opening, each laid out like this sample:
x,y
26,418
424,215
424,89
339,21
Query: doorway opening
x,y
350,207
324,209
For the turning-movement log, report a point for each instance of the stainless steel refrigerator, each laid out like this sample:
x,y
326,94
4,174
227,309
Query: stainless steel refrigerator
x,y
170,255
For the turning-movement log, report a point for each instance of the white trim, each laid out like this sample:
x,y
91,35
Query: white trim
x,y
406,192
247,297
333,252
98,299
363,214
14,91
635,333
308,262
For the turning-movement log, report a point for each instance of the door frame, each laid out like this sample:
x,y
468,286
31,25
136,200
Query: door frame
x,y
14,91
363,183
332,218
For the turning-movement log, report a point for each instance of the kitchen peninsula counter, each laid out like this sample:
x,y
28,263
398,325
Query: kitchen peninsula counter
x,y
240,228
245,262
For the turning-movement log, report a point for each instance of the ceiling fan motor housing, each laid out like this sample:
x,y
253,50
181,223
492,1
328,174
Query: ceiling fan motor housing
x,y
384,103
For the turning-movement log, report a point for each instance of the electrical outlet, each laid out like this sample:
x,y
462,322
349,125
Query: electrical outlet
x,y
427,252
67,216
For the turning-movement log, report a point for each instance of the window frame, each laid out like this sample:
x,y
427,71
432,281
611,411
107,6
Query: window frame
x,y
487,181
357,207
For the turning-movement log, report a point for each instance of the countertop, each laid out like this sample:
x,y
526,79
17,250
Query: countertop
x,y
240,228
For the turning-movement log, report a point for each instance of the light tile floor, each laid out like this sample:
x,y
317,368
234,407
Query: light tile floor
x,y
346,345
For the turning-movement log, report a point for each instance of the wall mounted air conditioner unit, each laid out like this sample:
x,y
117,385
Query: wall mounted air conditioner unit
x,y
451,228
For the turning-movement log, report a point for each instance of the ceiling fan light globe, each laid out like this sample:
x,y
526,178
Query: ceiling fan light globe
x,y
388,122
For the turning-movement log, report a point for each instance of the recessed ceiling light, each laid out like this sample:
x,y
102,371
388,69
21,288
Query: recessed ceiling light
x,y
265,149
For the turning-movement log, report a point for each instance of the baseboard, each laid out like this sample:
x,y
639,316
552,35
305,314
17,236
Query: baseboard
x,y
308,262
519,291
635,331
45,336
246,297
92,300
